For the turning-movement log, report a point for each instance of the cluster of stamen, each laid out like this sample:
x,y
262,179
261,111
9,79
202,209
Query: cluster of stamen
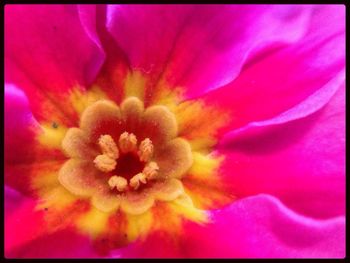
x,y
107,161
146,150
127,142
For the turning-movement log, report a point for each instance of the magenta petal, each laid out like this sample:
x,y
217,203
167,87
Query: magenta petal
x,y
47,53
61,53
20,125
23,155
156,245
310,105
204,46
88,17
276,81
13,199
62,244
26,235
261,227
22,225
302,162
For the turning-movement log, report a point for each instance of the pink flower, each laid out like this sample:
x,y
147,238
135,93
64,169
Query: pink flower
x,y
174,131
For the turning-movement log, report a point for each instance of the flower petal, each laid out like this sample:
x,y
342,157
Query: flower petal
x,y
116,66
103,117
310,105
199,47
168,190
205,184
156,245
158,124
279,80
52,68
200,123
79,177
136,203
131,109
76,145
174,159
308,154
106,200
23,225
21,131
88,16
261,227
13,200
66,243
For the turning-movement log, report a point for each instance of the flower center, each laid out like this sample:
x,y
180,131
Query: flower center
x,y
131,163
125,156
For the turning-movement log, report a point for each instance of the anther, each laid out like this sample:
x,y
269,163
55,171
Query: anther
x,y
118,182
136,179
127,142
151,170
108,146
104,163
145,150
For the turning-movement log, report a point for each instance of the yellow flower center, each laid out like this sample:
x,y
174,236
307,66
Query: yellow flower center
x,y
125,156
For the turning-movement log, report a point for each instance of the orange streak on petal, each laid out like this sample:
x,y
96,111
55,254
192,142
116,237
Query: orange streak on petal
x,y
44,176
199,123
58,218
207,195
55,109
204,184
163,94
165,219
83,99
115,235
111,79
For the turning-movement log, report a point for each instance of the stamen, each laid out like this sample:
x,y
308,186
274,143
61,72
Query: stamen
x,y
104,163
108,146
136,179
127,142
146,150
151,170
119,182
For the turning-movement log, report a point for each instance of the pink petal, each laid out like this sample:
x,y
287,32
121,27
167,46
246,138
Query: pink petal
x,y
204,46
13,199
22,225
261,227
115,68
156,245
47,53
20,125
88,16
21,147
62,244
301,161
310,105
276,81
26,235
